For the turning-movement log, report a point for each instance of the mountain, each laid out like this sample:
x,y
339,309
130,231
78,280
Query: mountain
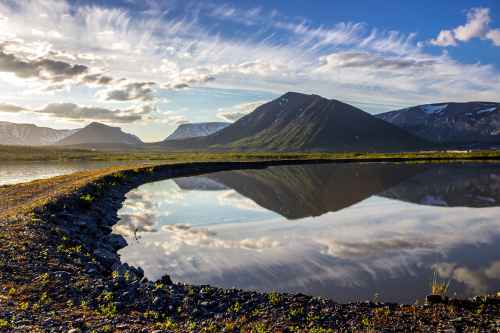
x,y
194,130
300,122
30,135
97,133
463,123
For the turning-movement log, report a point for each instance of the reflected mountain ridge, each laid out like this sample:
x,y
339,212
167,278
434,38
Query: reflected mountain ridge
x,y
466,185
301,191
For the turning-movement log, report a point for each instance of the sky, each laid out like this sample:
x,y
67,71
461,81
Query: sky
x,y
148,66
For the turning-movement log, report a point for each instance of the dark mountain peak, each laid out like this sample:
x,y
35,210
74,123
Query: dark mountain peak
x,y
302,122
98,133
97,125
450,122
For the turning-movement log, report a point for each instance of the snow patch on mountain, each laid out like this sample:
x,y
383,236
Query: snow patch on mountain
x,y
193,130
433,109
30,135
487,110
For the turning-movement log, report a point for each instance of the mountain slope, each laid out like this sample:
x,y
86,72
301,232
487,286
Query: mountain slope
x,y
30,135
299,122
472,122
97,133
193,130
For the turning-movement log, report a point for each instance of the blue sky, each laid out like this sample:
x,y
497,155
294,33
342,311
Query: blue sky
x,y
148,66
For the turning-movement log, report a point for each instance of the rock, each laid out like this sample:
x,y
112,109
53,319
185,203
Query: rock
x,y
166,280
116,241
434,299
106,256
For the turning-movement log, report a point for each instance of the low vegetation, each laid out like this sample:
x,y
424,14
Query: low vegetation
x,y
21,153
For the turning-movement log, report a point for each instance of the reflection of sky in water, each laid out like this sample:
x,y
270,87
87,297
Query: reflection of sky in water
x,y
18,172
378,245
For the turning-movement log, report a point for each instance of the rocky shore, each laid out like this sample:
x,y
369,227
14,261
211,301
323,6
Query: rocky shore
x,y
60,272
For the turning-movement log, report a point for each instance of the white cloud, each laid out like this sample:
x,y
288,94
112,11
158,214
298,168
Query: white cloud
x,y
445,38
128,91
494,36
5,107
175,53
477,26
238,111
71,111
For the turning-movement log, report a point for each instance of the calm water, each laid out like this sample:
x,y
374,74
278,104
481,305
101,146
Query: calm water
x,y
343,231
19,172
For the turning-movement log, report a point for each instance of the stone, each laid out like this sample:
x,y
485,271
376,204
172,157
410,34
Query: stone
x,y
106,256
166,280
116,241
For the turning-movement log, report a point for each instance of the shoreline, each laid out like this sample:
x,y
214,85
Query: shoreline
x,y
58,254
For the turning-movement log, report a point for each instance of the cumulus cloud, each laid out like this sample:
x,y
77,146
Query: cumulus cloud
x,y
129,91
238,111
43,69
180,235
445,38
494,36
5,107
71,111
97,79
76,112
477,26
59,73
186,79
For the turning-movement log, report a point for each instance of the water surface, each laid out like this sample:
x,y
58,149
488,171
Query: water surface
x,y
18,172
347,231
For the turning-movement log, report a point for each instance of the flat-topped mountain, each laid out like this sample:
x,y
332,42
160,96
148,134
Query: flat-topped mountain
x,y
300,122
30,135
463,123
193,130
97,133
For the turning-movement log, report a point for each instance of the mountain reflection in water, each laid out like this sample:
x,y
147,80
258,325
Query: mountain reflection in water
x,y
345,231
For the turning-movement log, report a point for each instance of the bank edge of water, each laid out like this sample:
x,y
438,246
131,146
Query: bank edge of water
x,y
76,229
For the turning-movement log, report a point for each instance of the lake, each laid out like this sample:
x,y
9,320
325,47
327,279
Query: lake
x,y
19,172
344,231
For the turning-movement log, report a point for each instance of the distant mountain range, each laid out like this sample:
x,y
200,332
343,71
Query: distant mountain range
x,y
193,130
96,133
300,122
30,135
297,122
462,123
